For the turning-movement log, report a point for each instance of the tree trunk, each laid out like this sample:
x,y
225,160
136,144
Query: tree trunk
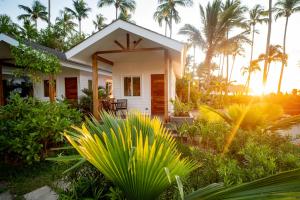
x,y
49,14
267,44
166,28
171,23
252,43
233,61
79,23
116,12
227,68
283,63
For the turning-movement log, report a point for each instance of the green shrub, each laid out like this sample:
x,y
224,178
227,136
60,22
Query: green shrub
x,y
29,127
181,108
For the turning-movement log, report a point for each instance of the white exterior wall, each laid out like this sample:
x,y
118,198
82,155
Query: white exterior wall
x,y
144,69
82,82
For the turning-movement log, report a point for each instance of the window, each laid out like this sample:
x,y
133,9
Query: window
x,y
132,86
46,88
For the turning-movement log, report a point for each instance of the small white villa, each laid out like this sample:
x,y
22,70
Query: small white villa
x,y
142,66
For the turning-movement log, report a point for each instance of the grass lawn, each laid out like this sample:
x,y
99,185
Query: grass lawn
x,y
23,179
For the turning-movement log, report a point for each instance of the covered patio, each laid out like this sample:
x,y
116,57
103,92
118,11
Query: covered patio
x,y
144,65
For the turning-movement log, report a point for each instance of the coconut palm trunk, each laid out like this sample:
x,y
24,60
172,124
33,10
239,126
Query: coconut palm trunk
x,y
79,24
166,28
283,62
116,12
267,44
232,66
171,23
49,14
251,58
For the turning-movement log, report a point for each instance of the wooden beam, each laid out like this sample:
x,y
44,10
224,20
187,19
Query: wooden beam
x,y
105,60
130,50
1,88
128,40
119,44
166,85
52,88
95,87
137,42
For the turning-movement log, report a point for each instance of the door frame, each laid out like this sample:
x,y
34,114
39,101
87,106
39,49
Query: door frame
x,y
73,77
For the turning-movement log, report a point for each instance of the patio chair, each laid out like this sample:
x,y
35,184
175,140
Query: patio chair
x,y
122,106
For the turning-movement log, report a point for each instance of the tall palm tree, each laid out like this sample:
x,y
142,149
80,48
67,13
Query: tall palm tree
x,y
123,5
80,11
257,15
171,5
212,35
275,54
285,8
236,50
126,16
252,68
28,31
99,22
37,11
65,22
162,14
268,43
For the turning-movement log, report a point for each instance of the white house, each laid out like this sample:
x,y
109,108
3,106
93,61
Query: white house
x,y
143,65
70,81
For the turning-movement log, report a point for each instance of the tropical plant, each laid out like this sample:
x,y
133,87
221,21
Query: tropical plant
x,y
7,25
99,23
162,14
123,5
253,116
181,108
29,127
127,150
236,49
37,11
65,23
285,8
169,7
28,31
125,16
80,11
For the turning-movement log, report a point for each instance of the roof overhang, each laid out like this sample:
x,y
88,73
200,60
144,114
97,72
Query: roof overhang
x,y
108,38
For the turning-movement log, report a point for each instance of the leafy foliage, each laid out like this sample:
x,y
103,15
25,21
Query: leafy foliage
x,y
137,154
34,60
29,127
181,108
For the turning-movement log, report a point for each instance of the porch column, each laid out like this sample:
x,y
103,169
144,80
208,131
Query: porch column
x,y
1,87
95,87
166,84
51,88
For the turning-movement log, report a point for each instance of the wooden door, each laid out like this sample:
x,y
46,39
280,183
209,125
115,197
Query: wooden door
x,y
157,94
71,88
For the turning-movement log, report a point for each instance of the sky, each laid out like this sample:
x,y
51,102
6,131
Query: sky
x,y
143,16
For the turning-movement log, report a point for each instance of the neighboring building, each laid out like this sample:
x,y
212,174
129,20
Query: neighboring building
x,y
143,65
70,81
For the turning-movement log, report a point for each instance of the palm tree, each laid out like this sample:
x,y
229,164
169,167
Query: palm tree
x,y
99,22
37,11
212,36
28,31
252,68
171,5
162,14
126,16
123,5
7,25
257,15
236,50
268,43
275,55
80,11
65,22
285,8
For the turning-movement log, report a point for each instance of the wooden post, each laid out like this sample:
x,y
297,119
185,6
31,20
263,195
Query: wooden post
x,y
95,87
1,88
51,88
166,84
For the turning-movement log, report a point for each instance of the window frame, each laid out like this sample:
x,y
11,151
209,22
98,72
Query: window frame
x,y
131,85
